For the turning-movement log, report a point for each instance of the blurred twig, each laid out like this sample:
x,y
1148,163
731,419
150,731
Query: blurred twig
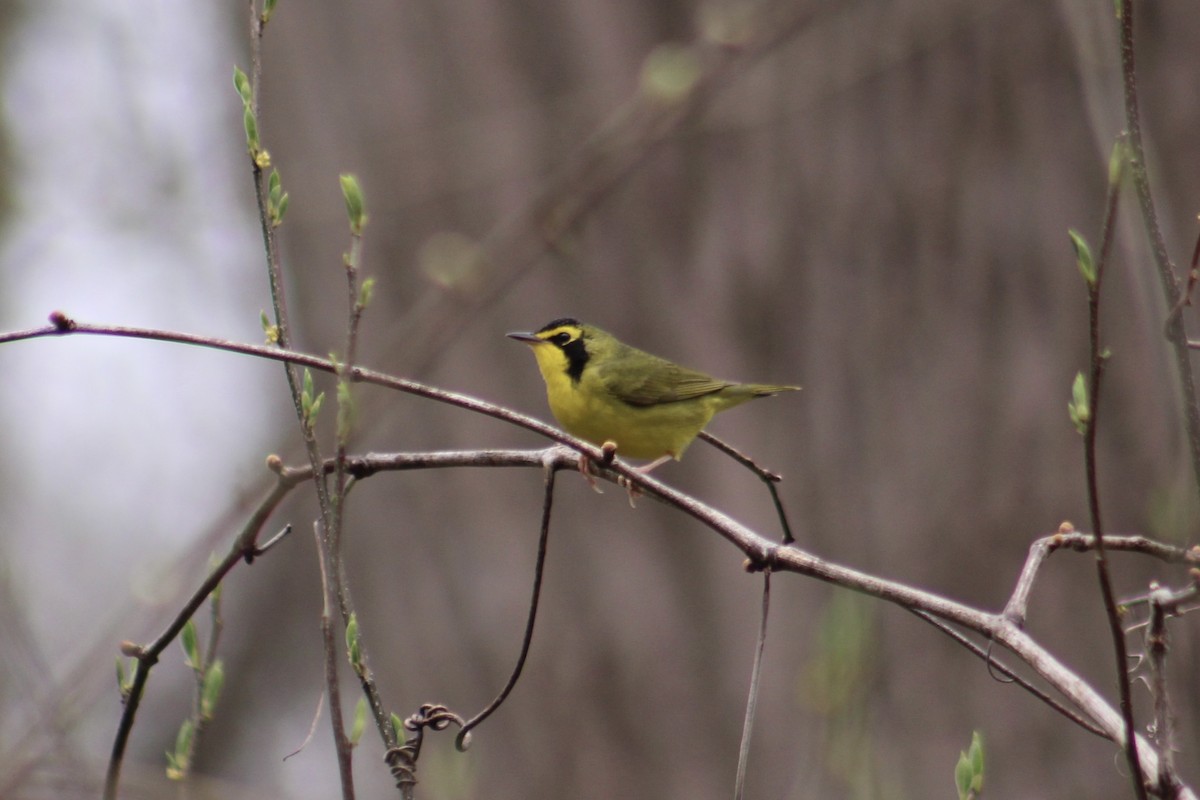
x,y
1174,330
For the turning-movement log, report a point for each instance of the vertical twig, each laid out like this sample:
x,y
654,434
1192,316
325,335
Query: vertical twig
x,y
358,296
1174,329
1095,374
1167,780
739,785
463,739
341,743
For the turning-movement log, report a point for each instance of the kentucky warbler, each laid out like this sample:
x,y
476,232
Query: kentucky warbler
x,y
602,390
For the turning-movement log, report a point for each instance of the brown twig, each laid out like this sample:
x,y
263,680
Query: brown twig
x,y
765,475
1095,375
245,548
550,469
739,785
341,742
985,654
1070,539
1173,328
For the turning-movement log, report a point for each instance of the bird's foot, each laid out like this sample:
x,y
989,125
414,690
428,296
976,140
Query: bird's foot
x,y
608,452
632,488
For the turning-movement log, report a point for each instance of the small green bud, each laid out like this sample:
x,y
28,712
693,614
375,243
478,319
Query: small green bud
x,y
360,721
268,10
968,772
280,209
191,649
251,126
270,331
355,204
179,762
346,411
315,409
976,756
353,648
242,84
1083,258
365,292
398,727
214,681
1117,161
1079,408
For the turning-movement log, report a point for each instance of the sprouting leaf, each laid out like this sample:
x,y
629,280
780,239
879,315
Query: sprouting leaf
x,y
1083,258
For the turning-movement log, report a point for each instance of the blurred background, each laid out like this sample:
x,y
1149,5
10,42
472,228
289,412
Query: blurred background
x,y
869,199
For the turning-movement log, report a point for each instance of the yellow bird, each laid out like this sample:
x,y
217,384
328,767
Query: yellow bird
x,y
603,390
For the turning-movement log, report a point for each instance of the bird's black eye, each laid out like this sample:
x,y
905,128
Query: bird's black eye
x,y
561,338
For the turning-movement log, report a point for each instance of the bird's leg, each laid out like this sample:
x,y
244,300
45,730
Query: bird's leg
x,y
609,450
630,487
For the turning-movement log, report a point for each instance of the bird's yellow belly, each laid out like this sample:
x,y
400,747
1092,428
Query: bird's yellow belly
x,y
638,431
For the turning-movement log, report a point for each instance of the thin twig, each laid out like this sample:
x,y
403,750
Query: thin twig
x,y
341,742
1070,539
1173,328
462,741
244,549
1000,667
1095,376
765,475
739,785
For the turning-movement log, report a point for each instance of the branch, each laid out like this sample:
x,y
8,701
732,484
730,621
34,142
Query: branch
x,y
1095,281
761,552
1174,330
244,548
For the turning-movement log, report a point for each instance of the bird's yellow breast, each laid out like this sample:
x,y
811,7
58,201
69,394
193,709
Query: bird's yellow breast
x,y
585,408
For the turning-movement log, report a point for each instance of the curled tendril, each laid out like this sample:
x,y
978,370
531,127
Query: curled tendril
x,y
402,760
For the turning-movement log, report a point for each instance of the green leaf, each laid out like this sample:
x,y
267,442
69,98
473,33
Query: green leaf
x,y
242,84
268,10
976,756
1079,408
398,727
360,721
346,411
251,126
214,681
1117,161
281,208
366,292
191,648
1083,258
353,648
963,776
315,408
355,204
179,762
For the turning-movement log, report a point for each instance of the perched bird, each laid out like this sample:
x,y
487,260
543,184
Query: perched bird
x,y
602,390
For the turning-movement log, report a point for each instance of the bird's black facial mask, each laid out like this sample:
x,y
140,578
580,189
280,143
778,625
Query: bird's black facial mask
x,y
577,357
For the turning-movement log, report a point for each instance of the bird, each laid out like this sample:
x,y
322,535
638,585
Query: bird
x,y
611,394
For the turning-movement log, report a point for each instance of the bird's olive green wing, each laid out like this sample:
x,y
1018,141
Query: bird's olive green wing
x,y
642,379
